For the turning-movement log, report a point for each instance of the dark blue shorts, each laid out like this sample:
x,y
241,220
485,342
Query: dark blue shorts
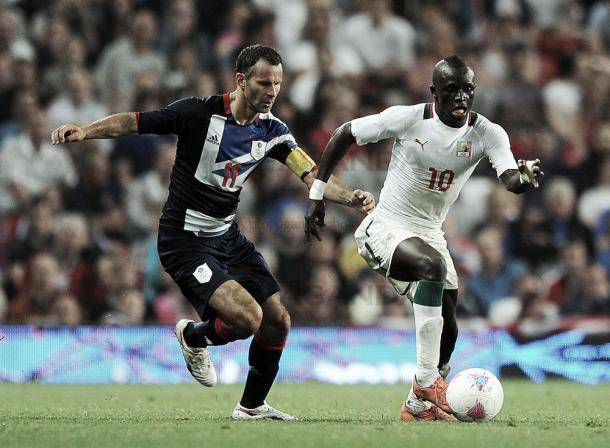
x,y
199,265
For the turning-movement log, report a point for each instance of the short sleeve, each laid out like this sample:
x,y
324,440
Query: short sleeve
x,y
282,141
391,123
498,150
175,118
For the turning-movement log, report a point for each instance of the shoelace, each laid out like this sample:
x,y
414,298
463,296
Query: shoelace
x,y
442,392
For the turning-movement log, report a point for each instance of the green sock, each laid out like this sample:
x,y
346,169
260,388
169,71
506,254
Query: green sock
x,y
429,293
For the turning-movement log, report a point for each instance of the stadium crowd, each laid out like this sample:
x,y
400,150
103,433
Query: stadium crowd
x,y
78,222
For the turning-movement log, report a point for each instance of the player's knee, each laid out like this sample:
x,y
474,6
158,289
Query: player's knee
x,y
432,268
282,323
276,324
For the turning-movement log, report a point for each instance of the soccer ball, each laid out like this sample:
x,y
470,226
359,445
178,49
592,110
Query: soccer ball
x,y
475,394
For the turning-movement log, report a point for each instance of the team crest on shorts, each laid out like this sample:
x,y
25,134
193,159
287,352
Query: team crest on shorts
x,y
258,149
203,273
464,148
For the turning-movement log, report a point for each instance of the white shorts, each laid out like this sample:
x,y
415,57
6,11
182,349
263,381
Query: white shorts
x,y
377,240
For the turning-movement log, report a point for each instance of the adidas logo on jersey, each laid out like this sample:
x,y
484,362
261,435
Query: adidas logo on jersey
x,y
213,139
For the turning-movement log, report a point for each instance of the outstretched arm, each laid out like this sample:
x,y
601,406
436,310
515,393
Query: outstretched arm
x,y
110,127
528,175
303,166
339,193
335,150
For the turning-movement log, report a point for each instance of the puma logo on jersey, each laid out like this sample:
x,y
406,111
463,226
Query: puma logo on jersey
x,y
213,139
420,143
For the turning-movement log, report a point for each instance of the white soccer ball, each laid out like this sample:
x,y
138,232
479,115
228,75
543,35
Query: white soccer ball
x,y
475,394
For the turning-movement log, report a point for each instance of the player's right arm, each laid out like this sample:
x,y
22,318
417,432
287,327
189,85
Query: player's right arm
x,y
335,150
370,129
109,127
373,128
178,117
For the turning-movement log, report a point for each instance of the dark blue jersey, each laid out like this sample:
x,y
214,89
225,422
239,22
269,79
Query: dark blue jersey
x,y
214,157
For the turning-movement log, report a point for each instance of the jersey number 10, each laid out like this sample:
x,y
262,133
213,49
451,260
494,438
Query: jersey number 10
x,y
440,181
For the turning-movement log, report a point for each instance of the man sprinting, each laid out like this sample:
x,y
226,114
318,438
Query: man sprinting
x,y
437,147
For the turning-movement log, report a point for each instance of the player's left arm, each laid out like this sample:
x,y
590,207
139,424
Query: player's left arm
x,y
516,177
336,191
520,180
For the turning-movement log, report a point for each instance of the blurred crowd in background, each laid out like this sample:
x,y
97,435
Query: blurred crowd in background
x,y
78,222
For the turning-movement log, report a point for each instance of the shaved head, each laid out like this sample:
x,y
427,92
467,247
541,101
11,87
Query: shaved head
x,y
451,63
452,88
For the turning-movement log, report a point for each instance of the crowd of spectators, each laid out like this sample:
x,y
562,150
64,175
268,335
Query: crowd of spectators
x,y
78,222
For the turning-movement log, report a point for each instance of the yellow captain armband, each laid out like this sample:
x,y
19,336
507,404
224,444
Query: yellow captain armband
x,y
299,163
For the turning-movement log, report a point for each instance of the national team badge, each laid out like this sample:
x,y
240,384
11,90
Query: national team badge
x,y
464,148
203,273
258,150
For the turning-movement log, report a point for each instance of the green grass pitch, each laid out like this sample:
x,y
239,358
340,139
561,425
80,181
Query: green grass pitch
x,y
554,414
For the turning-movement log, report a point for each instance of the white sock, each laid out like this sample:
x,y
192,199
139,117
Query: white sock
x,y
416,404
428,329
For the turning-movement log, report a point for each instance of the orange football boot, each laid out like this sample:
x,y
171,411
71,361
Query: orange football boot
x,y
434,413
435,393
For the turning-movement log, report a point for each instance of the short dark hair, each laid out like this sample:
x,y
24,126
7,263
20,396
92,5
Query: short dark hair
x,y
250,56
455,62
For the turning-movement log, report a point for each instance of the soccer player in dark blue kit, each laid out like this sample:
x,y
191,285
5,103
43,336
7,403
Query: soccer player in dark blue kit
x,y
221,141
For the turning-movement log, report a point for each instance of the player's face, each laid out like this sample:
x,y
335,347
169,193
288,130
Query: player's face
x,y
454,93
262,87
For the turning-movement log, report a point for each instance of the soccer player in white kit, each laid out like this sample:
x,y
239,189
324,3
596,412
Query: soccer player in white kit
x,y
437,147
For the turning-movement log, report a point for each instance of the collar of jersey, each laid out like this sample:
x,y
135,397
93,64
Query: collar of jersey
x,y
437,118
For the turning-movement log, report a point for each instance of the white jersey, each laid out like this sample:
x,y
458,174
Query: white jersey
x,y
430,161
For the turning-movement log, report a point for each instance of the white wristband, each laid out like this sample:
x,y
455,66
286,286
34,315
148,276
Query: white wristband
x,y
317,190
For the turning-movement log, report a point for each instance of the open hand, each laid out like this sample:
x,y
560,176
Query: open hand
x,y
314,219
530,171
